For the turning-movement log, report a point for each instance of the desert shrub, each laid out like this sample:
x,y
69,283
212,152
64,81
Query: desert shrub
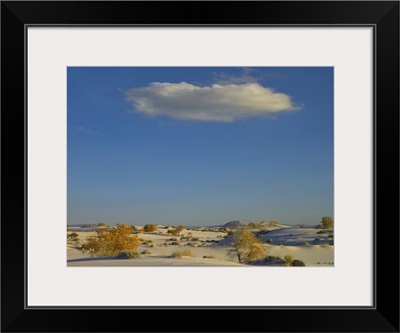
x,y
89,225
146,252
195,239
271,260
180,254
173,239
73,235
176,231
269,241
297,262
302,225
272,223
330,236
174,243
248,247
192,244
288,260
327,222
305,243
111,241
180,228
205,229
149,228
129,255
209,257
101,224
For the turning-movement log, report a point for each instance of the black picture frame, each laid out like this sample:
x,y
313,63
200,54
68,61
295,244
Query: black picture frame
x,y
383,316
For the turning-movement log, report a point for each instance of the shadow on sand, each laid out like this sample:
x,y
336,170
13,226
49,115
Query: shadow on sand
x,y
95,259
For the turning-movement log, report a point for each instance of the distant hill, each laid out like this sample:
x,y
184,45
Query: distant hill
x,y
233,224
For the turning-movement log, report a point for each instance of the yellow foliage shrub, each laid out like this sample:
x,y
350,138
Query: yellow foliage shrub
x,y
111,241
149,228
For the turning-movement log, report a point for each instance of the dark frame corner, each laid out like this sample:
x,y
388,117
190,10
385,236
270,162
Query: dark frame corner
x,y
383,15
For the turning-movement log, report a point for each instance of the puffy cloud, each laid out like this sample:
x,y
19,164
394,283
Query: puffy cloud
x,y
218,102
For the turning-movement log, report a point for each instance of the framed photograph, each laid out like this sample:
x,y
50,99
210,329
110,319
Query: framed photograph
x,y
200,160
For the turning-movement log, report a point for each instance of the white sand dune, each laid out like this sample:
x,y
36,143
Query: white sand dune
x,y
211,248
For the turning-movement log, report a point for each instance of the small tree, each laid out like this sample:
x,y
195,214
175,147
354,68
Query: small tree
x,y
327,222
248,247
111,241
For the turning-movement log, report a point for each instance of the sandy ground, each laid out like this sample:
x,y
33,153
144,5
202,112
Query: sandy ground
x,y
303,243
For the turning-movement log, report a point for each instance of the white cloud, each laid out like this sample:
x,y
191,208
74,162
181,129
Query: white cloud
x,y
218,102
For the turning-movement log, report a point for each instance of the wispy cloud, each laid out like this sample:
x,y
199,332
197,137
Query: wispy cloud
x,y
245,77
248,75
217,102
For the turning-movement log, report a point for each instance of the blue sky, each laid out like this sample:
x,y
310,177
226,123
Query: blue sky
x,y
199,145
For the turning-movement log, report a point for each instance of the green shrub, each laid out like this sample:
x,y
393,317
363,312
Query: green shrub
x,y
269,241
288,260
297,262
327,222
73,237
271,260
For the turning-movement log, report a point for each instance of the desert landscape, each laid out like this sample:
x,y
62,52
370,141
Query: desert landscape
x,y
232,244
